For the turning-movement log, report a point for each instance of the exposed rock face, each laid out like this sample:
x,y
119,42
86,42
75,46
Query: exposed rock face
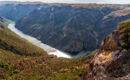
x,y
73,28
112,61
110,42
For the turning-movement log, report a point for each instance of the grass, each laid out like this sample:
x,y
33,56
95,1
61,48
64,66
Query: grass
x,y
19,67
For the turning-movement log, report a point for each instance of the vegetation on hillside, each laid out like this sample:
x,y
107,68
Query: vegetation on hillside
x,y
17,67
124,29
12,42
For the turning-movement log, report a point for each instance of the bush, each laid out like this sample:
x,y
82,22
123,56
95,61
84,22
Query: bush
x,y
125,45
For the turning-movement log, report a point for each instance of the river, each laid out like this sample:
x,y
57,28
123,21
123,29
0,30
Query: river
x,y
50,50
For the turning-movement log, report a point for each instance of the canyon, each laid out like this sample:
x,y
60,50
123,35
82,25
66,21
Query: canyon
x,y
98,33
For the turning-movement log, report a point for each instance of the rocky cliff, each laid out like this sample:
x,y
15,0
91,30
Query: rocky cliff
x,y
73,28
112,61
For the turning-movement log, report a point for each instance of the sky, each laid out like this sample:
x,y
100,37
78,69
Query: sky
x,y
80,1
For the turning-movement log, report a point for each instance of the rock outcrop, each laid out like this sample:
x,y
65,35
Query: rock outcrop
x,y
112,61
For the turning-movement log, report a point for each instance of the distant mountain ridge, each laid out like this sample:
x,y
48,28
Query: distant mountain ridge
x,y
19,2
16,10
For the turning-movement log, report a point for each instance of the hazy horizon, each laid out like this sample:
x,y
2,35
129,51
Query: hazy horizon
x,y
79,1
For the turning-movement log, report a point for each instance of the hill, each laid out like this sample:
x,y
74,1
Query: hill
x,y
73,28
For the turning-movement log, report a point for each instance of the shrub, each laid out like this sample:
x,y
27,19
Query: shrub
x,y
124,30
